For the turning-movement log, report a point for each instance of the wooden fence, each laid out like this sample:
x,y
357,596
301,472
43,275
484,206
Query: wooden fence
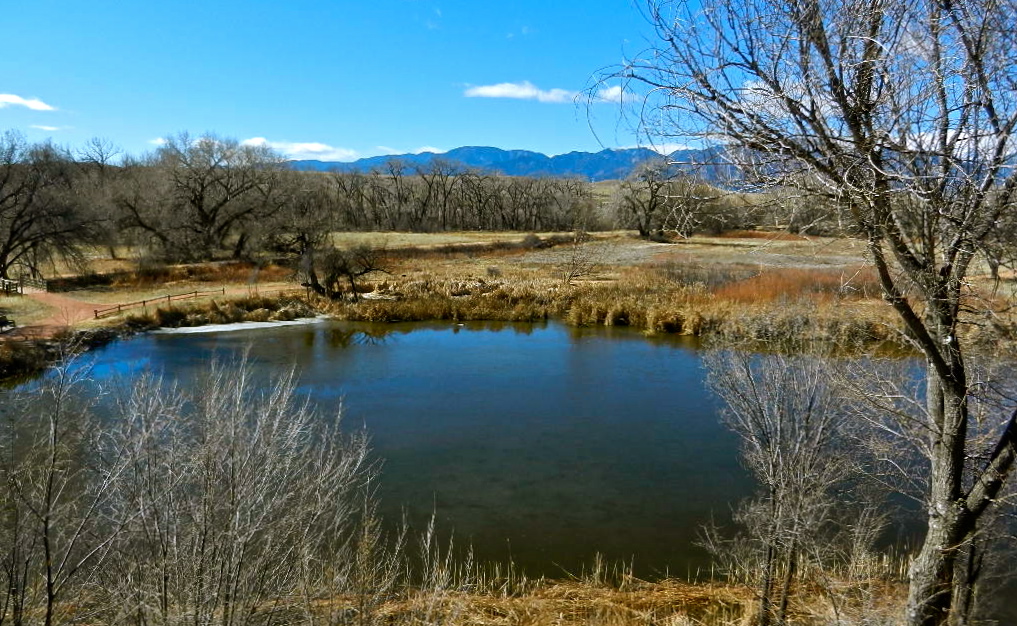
x,y
161,299
35,283
11,287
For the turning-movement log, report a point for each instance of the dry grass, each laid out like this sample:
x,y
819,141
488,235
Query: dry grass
x,y
626,601
762,234
24,311
221,311
399,240
735,301
669,602
792,284
211,273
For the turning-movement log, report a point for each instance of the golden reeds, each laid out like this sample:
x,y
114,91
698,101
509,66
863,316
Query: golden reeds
x,y
769,305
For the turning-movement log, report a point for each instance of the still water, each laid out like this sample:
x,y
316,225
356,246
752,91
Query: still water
x,y
537,443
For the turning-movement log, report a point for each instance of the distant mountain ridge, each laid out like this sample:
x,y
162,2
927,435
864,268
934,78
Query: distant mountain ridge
x,y
592,166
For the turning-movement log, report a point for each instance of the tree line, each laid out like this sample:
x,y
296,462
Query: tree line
x,y
202,198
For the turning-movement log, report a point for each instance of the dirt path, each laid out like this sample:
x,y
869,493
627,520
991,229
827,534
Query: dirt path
x,y
65,312
68,312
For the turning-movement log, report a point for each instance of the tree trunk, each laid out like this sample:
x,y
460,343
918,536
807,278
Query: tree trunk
x,y
766,590
931,575
932,571
994,264
966,578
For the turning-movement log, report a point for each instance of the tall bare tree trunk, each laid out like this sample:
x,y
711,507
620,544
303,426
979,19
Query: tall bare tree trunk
x,y
950,523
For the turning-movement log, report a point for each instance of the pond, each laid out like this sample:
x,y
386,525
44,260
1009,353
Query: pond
x,y
542,444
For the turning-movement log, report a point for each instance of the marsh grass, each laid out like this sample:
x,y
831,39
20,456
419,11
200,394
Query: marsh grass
x,y
461,593
669,296
738,302
582,602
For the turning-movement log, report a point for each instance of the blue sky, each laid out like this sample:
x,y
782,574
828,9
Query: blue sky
x,y
328,79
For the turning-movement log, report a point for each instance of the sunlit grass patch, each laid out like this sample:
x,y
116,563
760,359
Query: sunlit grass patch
x,y
791,284
769,235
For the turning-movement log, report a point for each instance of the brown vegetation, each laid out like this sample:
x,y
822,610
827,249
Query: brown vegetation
x,y
773,304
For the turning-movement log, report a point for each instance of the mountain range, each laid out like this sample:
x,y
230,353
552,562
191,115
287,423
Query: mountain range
x,y
592,166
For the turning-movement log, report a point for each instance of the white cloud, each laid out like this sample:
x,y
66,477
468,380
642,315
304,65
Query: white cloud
x,y
388,150
668,148
158,141
521,91
663,148
305,150
611,94
9,99
49,129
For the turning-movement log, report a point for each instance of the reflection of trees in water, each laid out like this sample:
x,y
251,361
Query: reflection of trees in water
x,y
367,333
346,337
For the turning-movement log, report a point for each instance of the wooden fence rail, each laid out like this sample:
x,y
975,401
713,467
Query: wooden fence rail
x,y
35,283
144,303
10,287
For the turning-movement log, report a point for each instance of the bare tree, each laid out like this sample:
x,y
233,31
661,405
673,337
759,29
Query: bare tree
x,y
905,113
797,445
348,264
198,197
244,507
40,216
578,260
308,213
692,206
642,199
58,472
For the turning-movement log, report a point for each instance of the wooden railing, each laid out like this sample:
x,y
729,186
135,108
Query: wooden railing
x,y
35,283
161,299
10,287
